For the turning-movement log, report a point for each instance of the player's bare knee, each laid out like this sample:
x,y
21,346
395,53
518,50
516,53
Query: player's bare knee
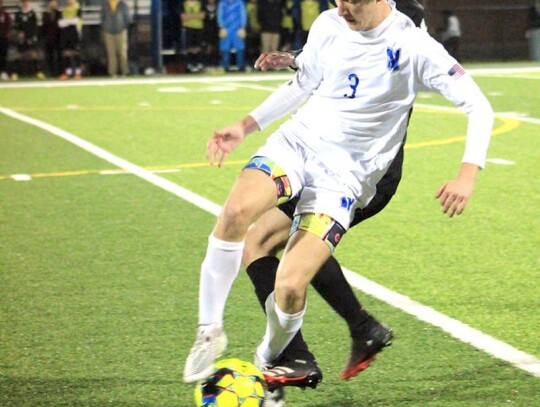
x,y
252,251
258,244
234,220
290,297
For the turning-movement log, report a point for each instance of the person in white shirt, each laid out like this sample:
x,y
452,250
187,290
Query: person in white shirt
x,y
357,78
451,34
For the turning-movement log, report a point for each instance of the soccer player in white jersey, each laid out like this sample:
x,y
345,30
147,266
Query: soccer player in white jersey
x,y
358,75
296,365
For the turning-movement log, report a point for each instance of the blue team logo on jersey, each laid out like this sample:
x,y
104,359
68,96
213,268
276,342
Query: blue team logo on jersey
x,y
393,59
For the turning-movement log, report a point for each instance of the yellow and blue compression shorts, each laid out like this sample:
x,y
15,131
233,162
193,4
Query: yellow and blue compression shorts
x,y
283,187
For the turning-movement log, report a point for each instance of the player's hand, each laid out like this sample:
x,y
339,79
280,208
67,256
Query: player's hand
x,y
274,59
223,142
455,194
222,33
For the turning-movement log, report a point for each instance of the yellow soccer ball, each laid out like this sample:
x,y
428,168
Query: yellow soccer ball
x,y
235,383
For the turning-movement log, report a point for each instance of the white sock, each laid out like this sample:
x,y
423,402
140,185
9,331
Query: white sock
x,y
218,271
280,329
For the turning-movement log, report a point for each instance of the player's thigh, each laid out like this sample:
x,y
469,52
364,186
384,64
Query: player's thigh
x,y
304,255
267,236
283,160
253,193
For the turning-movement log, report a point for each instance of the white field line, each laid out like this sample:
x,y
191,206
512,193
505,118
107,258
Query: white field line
x,y
463,332
140,172
455,328
253,77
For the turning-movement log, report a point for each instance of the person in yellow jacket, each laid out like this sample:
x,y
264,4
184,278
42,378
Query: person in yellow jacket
x,y
287,26
70,30
192,17
309,11
253,31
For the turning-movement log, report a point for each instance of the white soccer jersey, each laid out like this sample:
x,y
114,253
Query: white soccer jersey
x,y
360,87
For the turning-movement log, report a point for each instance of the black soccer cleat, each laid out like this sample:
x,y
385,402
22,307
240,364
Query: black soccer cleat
x,y
370,340
293,372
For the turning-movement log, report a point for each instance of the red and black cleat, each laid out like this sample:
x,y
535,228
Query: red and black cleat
x,y
372,339
297,372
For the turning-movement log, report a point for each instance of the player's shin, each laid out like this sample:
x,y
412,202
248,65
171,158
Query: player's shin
x,y
262,273
218,272
280,329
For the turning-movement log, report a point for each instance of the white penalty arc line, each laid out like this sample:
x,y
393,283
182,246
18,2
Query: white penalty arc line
x,y
457,329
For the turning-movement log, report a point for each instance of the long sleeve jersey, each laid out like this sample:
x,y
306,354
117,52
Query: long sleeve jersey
x,y
359,87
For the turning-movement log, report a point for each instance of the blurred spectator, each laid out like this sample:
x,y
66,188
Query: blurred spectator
x,y
253,38
270,13
309,11
211,33
70,28
115,21
232,21
26,27
193,22
534,15
172,33
287,26
450,34
533,31
5,29
50,34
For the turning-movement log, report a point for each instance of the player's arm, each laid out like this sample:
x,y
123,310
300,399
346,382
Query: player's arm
x,y
455,194
284,100
277,60
225,140
439,71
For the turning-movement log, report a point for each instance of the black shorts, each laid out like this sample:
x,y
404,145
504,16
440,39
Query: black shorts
x,y
69,38
194,37
386,188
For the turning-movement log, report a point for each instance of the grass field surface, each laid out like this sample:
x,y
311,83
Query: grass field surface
x,y
107,203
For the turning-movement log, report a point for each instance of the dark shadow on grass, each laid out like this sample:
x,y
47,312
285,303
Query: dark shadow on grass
x,y
472,385
45,392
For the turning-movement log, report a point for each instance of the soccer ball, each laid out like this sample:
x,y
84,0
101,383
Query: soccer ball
x,y
235,383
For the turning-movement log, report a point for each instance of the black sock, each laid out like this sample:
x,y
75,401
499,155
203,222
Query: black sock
x,y
331,284
262,273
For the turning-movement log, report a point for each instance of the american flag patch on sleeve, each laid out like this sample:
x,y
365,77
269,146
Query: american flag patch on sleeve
x,y
456,71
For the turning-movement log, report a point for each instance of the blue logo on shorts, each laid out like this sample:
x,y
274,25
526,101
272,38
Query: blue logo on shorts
x,y
347,203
